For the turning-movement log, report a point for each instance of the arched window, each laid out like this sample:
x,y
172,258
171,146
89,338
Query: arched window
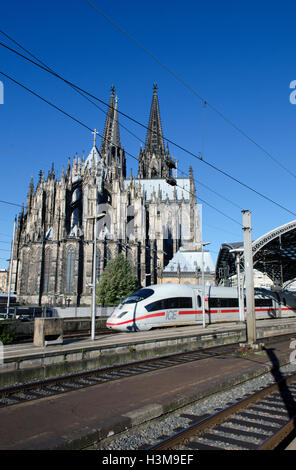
x,y
25,273
108,256
70,270
46,270
75,216
154,173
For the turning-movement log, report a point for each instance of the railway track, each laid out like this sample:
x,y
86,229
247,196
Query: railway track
x,y
19,393
21,339
15,394
260,422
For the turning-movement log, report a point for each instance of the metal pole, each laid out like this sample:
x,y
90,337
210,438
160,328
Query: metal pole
x,y
11,267
203,283
240,305
248,258
94,276
93,310
203,287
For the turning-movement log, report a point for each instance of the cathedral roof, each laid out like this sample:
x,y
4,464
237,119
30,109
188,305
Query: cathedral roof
x,y
159,185
189,261
94,156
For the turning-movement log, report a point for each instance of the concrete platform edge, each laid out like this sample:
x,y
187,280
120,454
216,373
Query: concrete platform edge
x,y
57,363
73,358
154,411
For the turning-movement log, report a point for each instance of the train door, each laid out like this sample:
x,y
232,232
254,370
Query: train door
x,y
198,298
277,305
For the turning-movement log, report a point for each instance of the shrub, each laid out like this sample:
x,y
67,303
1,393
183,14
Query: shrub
x,y
117,282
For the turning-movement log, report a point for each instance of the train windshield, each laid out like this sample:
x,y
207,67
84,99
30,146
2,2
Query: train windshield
x,y
138,296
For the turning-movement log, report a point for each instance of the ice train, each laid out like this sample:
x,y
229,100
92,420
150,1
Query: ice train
x,y
163,305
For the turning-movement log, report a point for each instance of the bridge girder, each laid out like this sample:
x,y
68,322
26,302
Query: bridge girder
x,y
273,254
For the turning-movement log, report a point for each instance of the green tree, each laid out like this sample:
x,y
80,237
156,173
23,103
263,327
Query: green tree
x,y
116,282
7,332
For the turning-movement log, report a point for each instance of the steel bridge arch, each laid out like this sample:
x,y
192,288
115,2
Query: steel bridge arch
x,y
274,254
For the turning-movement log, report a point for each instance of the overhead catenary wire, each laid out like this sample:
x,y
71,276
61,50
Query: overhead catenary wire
x,y
199,183
45,65
11,203
220,229
124,127
192,90
203,130
72,86
146,127
208,204
79,122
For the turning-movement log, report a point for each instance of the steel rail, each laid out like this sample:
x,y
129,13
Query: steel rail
x,y
159,362
197,429
203,353
273,442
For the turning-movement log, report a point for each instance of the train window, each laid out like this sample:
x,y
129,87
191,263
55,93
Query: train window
x,y
222,302
178,302
263,302
185,302
122,314
137,296
230,302
214,303
158,305
199,301
173,302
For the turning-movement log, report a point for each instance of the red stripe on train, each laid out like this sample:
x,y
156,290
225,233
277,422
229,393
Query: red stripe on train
x,y
159,314
194,312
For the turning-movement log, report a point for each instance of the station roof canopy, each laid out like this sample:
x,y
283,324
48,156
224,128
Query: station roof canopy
x,y
273,254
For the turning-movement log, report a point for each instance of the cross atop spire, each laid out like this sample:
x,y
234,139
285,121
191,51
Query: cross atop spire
x,y
94,132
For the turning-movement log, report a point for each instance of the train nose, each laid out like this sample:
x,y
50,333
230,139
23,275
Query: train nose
x,y
117,319
111,320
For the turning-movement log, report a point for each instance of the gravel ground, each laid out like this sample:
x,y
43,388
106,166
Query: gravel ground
x,y
148,434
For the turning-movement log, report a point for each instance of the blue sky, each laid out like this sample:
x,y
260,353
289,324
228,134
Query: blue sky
x,y
239,56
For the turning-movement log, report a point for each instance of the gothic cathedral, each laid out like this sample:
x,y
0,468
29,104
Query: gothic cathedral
x,y
145,218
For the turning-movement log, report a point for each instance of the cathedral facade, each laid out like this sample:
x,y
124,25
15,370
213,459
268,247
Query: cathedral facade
x,y
145,217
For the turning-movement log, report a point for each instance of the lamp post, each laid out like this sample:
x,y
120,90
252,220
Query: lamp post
x,y
11,267
203,282
94,275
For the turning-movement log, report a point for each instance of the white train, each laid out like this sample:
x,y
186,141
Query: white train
x,y
163,305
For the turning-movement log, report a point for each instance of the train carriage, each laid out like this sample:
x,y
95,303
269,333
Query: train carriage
x,y
163,305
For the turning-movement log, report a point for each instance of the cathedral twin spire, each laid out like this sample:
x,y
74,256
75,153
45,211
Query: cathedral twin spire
x,y
152,160
111,131
154,139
